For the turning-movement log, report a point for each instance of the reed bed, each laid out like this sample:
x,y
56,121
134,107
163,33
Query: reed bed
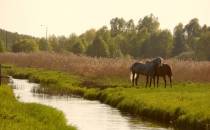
x,y
183,70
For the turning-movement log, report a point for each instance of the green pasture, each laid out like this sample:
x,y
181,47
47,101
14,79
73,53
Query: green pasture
x,y
185,106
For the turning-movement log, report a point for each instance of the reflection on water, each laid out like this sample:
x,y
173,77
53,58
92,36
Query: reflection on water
x,y
84,114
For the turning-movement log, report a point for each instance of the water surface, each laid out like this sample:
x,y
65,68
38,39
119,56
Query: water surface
x,y
82,113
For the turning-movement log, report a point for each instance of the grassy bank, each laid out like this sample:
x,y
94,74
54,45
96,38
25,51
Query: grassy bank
x,y
28,116
185,106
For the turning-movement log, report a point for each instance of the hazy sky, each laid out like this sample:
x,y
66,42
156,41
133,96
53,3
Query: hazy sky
x,y
64,17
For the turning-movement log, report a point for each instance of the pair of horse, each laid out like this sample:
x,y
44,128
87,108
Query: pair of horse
x,y
151,69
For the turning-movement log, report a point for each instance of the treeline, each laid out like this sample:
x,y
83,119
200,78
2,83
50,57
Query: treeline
x,y
124,39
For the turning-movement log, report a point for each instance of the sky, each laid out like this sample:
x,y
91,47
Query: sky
x,y
63,17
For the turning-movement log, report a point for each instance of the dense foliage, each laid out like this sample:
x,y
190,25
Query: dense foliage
x,y
123,39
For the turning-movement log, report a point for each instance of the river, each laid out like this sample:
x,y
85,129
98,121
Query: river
x,y
82,113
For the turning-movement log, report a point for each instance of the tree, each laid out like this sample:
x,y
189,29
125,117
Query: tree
x,y
130,26
149,23
193,31
71,41
62,41
166,43
54,44
121,41
99,48
89,36
158,44
118,25
204,29
137,42
193,28
203,48
179,40
25,45
114,49
78,48
43,45
104,33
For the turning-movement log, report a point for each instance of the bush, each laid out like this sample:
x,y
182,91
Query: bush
x,y
25,45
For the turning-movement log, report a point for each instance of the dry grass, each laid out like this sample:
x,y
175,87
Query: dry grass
x,y
97,67
82,65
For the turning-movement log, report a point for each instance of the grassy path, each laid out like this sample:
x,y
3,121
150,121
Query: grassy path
x,y
185,106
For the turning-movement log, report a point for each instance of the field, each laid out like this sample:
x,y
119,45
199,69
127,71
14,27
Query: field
x,y
28,116
185,106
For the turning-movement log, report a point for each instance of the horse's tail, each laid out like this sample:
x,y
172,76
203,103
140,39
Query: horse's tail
x,y
131,76
170,71
131,73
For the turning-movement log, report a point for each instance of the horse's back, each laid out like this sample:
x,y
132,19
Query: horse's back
x,y
139,67
168,69
163,70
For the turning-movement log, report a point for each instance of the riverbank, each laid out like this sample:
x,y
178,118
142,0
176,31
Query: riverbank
x,y
28,116
185,106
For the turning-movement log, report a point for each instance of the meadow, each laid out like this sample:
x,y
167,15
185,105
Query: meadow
x,y
185,106
28,116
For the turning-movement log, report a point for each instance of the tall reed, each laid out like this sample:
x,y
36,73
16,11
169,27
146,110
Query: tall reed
x,y
198,71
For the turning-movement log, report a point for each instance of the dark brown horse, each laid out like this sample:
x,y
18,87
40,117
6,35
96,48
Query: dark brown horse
x,y
163,71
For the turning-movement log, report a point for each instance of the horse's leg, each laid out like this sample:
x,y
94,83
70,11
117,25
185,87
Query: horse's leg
x,y
137,79
164,77
157,80
147,80
154,81
133,78
170,81
150,82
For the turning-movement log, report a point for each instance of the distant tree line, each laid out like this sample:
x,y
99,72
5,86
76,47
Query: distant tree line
x,y
123,39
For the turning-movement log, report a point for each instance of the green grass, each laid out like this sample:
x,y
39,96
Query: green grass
x,y
28,116
185,106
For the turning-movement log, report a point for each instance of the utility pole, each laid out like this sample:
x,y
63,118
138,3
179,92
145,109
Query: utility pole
x,y
46,29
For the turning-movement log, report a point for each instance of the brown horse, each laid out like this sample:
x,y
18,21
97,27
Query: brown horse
x,y
163,71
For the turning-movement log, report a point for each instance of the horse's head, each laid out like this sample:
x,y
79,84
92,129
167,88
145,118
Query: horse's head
x,y
157,61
